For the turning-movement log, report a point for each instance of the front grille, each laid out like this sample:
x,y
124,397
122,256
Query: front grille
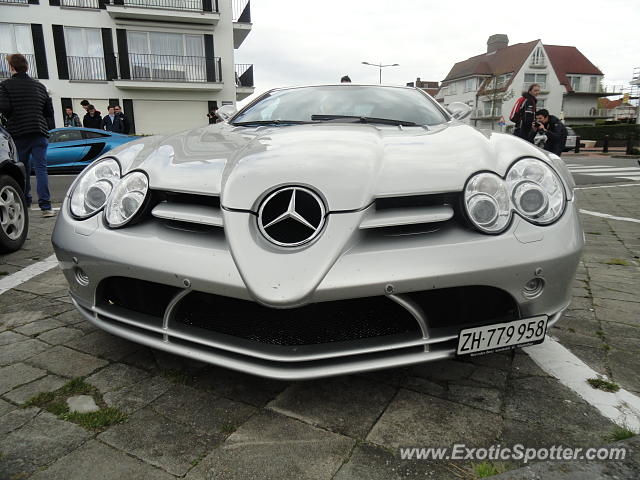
x,y
140,296
318,323
408,201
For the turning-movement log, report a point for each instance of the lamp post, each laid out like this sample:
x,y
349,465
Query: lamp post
x,y
380,66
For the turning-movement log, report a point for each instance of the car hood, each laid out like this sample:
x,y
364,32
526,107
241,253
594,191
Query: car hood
x,y
349,165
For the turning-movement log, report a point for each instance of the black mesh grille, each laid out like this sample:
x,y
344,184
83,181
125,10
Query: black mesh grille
x,y
138,295
418,201
309,325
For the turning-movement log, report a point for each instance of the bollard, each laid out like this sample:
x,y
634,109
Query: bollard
x,y
577,149
605,144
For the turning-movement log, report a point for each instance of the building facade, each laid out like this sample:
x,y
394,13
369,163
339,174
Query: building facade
x,y
166,62
491,82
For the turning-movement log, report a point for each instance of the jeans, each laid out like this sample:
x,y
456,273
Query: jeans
x,y
32,152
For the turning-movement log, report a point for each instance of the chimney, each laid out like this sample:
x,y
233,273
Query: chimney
x,y
497,42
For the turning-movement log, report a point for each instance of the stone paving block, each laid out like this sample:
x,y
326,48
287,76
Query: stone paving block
x,y
38,288
38,326
16,314
134,397
11,337
444,370
39,442
142,358
625,369
414,419
169,361
622,337
374,463
202,411
617,316
573,338
423,385
239,386
116,376
273,447
18,374
5,407
67,362
489,399
45,384
16,419
396,377
159,441
71,317
60,335
576,470
490,376
523,366
97,461
104,345
349,404
618,305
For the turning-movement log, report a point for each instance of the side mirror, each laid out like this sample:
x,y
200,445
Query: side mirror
x,y
225,112
459,110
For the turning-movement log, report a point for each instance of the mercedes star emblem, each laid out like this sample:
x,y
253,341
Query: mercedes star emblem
x,y
291,216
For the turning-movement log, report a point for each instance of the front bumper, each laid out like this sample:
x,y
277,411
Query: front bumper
x,y
375,266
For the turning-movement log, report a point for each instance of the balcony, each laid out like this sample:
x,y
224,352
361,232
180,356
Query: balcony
x,y
241,10
14,2
191,11
170,72
87,68
94,4
4,65
588,113
244,80
598,90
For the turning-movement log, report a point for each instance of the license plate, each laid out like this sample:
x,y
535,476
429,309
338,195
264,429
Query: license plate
x,y
502,336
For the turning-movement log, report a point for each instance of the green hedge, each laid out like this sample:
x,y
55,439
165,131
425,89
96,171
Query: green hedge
x,y
615,132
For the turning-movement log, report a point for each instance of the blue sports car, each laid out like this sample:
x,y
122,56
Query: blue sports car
x,y
73,148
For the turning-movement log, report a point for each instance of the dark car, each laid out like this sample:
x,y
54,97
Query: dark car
x,y
14,214
73,148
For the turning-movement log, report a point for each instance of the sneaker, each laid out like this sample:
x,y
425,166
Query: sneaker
x,y
48,213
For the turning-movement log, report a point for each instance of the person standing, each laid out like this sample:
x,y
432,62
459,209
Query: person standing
x,y
552,128
27,106
345,79
126,126
71,119
85,104
92,118
111,122
523,113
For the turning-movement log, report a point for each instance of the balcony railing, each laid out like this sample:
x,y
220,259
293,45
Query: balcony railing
x,y
175,68
19,2
80,3
244,75
488,112
241,10
4,65
588,113
86,68
181,5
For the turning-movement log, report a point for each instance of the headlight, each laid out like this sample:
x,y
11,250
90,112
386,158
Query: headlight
x,y
531,188
94,187
126,199
487,202
536,191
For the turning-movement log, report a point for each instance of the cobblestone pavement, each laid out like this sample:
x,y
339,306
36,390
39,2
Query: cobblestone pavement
x,y
184,419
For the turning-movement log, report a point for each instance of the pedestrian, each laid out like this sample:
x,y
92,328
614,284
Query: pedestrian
x,y
27,105
85,104
71,119
523,113
345,79
92,118
112,122
212,116
126,125
551,129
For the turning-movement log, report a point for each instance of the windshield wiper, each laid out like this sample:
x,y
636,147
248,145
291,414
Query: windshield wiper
x,y
270,122
360,119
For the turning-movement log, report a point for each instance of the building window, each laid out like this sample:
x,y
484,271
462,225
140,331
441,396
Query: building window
x,y
16,38
593,84
175,57
453,88
574,81
470,85
85,55
538,58
501,80
531,78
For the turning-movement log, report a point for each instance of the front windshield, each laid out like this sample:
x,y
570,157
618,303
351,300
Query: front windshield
x,y
329,103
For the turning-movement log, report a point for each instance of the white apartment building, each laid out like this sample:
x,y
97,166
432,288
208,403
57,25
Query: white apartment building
x,y
491,82
166,62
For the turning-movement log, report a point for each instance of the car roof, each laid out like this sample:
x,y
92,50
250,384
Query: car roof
x,y
82,129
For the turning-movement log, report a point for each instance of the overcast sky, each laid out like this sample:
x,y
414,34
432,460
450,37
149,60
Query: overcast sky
x,y
295,42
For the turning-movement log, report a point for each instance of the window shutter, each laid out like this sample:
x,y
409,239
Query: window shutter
x,y
61,52
127,106
109,55
209,59
39,51
123,53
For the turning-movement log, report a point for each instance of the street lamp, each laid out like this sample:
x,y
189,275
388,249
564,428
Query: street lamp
x,y
381,66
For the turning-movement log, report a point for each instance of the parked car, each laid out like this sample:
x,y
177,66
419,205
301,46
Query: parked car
x,y
73,148
571,140
14,214
324,230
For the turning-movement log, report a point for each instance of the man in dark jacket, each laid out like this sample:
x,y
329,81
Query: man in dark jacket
x,y
126,125
554,130
71,119
523,113
92,119
112,122
27,106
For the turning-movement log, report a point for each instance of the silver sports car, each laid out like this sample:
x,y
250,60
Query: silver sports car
x,y
324,230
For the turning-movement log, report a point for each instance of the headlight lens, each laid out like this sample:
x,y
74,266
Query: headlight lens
x,y
531,188
487,202
94,187
126,199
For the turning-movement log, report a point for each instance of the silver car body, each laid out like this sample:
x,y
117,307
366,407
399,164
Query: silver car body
x,y
206,284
